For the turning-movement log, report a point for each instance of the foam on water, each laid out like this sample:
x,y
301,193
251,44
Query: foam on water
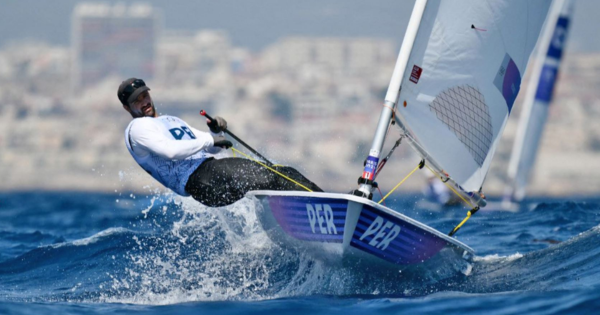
x,y
92,239
214,254
177,250
209,254
498,258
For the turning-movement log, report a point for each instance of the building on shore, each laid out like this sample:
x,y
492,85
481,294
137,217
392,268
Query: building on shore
x,y
113,40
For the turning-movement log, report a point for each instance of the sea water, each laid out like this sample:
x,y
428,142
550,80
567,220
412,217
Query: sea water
x,y
107,253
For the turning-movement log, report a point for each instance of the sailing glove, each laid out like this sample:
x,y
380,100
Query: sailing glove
x,y
217,124
222,142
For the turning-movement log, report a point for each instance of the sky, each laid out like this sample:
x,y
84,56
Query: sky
x,y
255,24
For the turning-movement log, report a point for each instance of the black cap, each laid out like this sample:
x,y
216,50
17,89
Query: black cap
x,y
130,89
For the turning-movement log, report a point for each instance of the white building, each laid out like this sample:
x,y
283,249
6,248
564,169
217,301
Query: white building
x,y
338,55
193,58
113,40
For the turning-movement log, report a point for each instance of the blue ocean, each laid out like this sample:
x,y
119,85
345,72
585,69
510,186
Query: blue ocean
x,y
122,253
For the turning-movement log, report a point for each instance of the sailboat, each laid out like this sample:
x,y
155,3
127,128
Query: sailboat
x,y
455,81
537,101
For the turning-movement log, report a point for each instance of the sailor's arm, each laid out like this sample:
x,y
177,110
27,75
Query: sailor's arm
x,y
220,142
196,132
146,137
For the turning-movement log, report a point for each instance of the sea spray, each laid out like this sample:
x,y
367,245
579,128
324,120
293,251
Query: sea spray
x,y
208,254
180,251
214,254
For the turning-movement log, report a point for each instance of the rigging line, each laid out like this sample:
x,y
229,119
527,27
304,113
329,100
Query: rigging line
x,y
392,122
385,105
381,194
271,169
384,160
477,28
469,213
451,188
388,129
403,180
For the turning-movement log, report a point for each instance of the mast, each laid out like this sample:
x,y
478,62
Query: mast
x,y
391,100
537,101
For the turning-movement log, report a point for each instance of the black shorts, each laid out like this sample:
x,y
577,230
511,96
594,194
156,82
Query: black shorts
x,y
221,182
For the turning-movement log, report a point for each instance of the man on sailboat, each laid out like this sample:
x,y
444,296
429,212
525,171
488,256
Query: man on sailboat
x,y
187,160
436,191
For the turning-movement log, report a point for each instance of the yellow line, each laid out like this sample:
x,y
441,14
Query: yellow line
x,y
461,223
271,169
456,228
452,188
400,183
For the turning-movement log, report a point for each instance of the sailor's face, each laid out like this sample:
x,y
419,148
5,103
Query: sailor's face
x,y
143,106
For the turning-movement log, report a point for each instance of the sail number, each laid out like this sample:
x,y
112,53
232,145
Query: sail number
x,y
320,218
385,232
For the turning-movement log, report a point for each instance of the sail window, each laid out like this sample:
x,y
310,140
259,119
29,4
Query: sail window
x,y
463,110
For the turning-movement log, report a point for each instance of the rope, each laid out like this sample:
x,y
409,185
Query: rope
x,y
385,105
381,195
471,212
387,157
452,188
402,181
271,169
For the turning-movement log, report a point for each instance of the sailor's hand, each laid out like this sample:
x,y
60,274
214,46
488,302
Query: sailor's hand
x,y
222,142
217,124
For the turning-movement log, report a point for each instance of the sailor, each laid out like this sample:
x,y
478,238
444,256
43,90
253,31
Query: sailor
x,y
436,191
190,161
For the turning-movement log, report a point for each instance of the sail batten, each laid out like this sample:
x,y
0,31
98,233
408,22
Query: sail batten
x,y
462,78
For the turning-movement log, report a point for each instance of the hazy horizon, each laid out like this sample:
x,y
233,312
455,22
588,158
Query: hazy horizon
x,y
258,23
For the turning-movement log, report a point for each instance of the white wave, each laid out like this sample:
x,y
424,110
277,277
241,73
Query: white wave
x,y
467,270
498,258
249,267
218,254
169,274
92,239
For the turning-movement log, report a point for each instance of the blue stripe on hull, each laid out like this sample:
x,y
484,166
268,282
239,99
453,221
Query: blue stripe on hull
x,y
306,218
384,235
393,239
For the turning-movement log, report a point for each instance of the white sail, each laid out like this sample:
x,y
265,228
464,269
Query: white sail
x,y
461,80
538,98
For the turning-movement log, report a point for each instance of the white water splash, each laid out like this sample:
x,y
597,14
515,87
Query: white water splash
x,y
216,254
92,239
497,258
209,254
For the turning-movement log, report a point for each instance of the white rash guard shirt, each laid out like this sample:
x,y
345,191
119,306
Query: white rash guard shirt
x,y
168,149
